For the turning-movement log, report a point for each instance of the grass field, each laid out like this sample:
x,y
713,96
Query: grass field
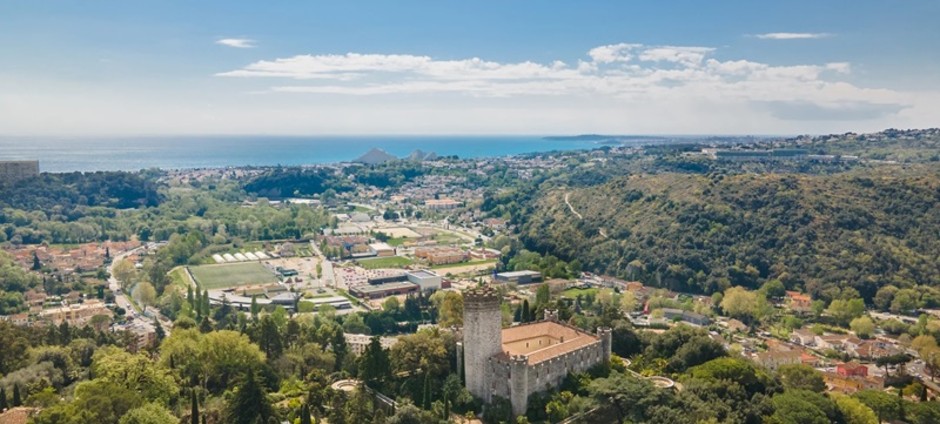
x,y
463,264
386,262
211,277
573,293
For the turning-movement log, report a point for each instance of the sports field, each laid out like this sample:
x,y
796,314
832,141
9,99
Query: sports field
x,y
211,277
386,262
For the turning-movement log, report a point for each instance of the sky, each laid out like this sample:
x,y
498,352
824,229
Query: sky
x,y
103,68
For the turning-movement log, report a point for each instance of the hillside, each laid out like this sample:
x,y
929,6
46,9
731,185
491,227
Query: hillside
x,y
863,228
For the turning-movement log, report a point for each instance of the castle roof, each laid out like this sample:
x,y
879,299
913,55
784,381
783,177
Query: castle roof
x,y
544,340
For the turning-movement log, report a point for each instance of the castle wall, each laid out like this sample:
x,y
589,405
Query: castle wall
x,y
514,381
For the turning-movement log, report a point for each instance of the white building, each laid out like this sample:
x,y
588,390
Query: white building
x,y
426,279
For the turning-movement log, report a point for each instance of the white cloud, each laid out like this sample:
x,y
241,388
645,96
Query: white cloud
x,y
792,35
621,73
239,43
612,53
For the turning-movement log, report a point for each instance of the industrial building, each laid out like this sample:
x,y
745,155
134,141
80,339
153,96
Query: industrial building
x,y
519,277
376,291
427,280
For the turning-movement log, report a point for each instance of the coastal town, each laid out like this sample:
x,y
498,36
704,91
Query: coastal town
x,y
428,253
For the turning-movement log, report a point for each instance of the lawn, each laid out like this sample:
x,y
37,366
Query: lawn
x,y
463,264
386,262
179,278
210,277
573,293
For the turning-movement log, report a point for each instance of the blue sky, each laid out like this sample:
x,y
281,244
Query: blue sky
x,y
457,67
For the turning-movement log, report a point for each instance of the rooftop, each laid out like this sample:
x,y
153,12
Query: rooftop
x,y
518,273
544,340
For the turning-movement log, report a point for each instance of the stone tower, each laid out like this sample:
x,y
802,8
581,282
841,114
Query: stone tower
x,y
606,336
482,336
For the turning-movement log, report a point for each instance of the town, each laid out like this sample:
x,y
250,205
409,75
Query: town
x,y
422,280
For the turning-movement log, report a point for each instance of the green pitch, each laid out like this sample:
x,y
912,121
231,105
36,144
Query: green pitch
x,y
211,277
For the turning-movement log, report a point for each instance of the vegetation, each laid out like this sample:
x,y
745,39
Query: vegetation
x,y
706,233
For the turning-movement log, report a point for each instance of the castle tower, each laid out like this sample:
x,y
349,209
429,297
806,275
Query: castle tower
x,y
482,336
551,315
519,386
606,336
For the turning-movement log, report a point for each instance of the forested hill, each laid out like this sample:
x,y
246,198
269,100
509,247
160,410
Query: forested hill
x,y
864,228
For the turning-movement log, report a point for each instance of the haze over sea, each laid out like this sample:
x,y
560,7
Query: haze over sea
x,y
183,152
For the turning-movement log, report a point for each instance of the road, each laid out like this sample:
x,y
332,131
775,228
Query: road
x,y
327,278
121,300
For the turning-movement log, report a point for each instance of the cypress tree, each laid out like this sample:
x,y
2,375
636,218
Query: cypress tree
x,y
205,326
305,414
426,404
526,312
17,401
205,303
194,415
3,399
36,264
189,297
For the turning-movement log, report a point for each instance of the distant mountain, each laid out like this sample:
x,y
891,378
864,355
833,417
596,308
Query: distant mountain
x,y
375,156
420,156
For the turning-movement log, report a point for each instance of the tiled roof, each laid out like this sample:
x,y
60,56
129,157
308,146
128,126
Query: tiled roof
x,y
573,339
18,415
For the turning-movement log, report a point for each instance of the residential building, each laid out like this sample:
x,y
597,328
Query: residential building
x,y
357,343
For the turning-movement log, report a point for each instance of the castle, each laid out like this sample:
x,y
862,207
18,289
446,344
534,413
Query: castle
x,y
516,362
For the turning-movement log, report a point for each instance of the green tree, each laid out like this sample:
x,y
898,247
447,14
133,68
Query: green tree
x,y
145,294
374,365
449,305
773,289
791,407
305,414
150,413
801,377
17,398
194,408
845,310
884,297
885,406
249,403
125,272
269,338
542,295
36,264
863,326
905,300
3,399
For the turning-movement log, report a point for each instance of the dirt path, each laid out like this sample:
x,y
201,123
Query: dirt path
x,y
572,207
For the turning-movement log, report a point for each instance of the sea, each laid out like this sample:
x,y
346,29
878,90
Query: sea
x,y
136,153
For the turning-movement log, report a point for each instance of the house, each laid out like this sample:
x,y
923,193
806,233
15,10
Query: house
x,y
686,316
799,302
851,384
831,341
873,349
774,359
803,337
18,415
852,369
